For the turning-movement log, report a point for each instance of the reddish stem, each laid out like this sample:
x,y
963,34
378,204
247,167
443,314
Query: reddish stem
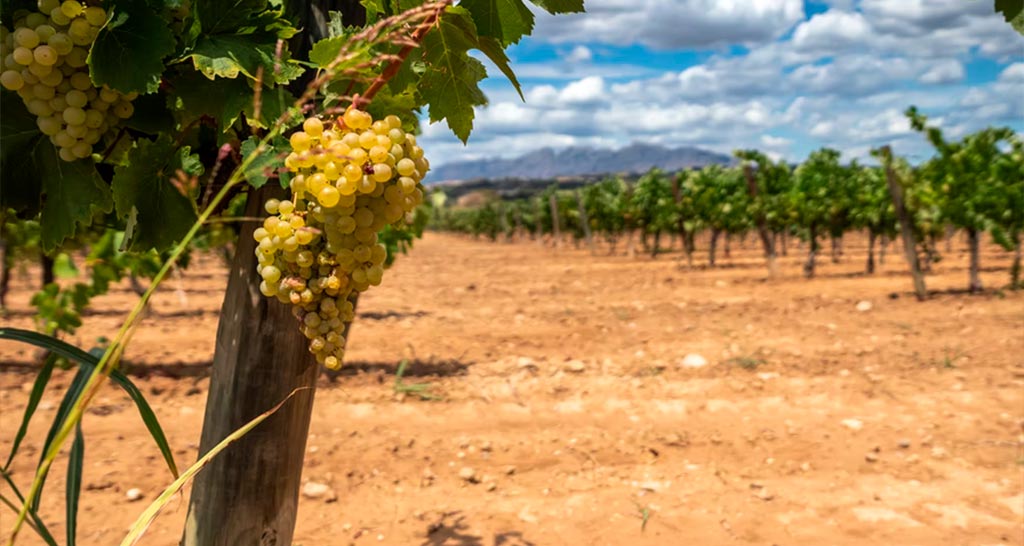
x,y
391,70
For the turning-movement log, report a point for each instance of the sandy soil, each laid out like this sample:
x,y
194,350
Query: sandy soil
x,y
561,383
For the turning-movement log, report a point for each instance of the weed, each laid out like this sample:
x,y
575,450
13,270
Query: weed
x,y
746,362
422,390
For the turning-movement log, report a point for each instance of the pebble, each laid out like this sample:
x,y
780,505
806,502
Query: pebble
x,y
693,360
133,494
853,424
871,457
526,362
526,516
864,306
468,474
575,366
315,490
904,444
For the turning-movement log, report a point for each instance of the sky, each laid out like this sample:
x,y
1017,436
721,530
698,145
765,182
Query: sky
x,y
783,76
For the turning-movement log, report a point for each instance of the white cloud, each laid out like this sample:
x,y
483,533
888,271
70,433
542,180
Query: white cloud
x,y
579,54
666,24
1013,73
832,31
587,90
948,71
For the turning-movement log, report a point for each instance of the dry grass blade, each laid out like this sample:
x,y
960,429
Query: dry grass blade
x,y
150,513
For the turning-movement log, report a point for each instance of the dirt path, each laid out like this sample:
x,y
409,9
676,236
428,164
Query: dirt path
x,y
562,386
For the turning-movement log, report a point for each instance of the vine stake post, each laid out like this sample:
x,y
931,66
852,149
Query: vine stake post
x,y
585,222
249,494
762,228
556,230
909,243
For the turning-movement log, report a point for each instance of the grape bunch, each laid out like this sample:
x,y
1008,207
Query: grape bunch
x,y
320,247
44,61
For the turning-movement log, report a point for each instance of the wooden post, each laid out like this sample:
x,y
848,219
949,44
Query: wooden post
x,y
762,228
973,244
812,253
585,222
906,228
871,251
556,230
249,493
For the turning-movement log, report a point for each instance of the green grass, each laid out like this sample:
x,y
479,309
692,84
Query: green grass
x,y
421,390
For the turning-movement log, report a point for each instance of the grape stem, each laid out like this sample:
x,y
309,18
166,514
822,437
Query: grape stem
x,y
360,101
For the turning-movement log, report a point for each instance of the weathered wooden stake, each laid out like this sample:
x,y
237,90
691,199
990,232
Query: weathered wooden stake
x,y
585,222
762,227
906,227
556,230
249,493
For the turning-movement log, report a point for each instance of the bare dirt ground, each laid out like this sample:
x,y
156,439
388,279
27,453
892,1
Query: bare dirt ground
x,y
561,384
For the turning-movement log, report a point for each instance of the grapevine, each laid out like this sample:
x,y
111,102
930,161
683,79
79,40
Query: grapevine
x,y
45,63
321,247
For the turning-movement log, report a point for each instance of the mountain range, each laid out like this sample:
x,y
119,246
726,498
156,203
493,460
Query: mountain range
x,y
575,161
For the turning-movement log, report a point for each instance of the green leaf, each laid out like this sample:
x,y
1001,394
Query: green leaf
x,y
263,166
451,85
36,523
87,362
30,166
507,21
492,48
1009,8
74,194
151,115
74,389
19,136
35,395
149,192
556,7
325,51
218,16
74,484
227,56
129,50
64,266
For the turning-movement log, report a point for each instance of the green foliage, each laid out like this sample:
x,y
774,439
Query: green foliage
x,y
450,86
154,192
136,36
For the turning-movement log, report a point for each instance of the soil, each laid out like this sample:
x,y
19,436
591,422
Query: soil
x,y
566,403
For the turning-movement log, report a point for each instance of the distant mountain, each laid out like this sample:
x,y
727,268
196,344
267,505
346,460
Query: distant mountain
x,y
548,163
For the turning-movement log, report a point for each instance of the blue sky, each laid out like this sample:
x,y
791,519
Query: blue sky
x,y
784,76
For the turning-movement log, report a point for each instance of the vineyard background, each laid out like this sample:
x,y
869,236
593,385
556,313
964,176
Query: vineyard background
x,y
562,379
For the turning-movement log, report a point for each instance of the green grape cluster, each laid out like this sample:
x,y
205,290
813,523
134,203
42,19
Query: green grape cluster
x,y
320,247
44,61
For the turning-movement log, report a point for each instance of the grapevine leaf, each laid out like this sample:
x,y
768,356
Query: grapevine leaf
x,y
151,115
264,165
326,50
556,7
135,37
150,192
1009,8
74,193
229,55
225,100
217,16
492,48
504,20
19,136
450,87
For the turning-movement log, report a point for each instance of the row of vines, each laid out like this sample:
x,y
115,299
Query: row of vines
x,y
974,185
